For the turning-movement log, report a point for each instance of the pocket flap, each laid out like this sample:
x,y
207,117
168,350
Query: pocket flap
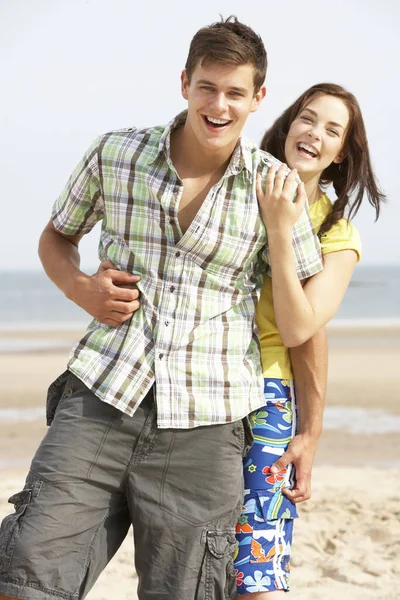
x,y
21,498
269,506
221,542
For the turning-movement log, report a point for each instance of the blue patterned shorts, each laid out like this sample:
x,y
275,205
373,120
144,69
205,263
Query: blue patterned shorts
x,y
264,531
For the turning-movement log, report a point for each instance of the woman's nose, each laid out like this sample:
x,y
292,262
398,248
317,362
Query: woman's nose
x,y
314,133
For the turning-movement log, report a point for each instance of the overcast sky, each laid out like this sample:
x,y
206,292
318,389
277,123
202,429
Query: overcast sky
x,y
72,69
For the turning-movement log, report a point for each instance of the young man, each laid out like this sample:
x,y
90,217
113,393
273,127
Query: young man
x,y
149,423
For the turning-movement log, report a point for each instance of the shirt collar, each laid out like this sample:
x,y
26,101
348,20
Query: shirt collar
x,y
164,145
241,157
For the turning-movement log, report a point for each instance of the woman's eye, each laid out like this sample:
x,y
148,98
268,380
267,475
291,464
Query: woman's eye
x,y
333,131
307,119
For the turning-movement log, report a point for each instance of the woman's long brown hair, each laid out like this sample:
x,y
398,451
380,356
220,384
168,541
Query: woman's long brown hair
x,y
354,176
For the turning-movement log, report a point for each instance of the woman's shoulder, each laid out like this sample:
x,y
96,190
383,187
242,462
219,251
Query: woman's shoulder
x,y
343,235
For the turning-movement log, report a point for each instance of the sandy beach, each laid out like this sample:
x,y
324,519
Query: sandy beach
x,y
347,541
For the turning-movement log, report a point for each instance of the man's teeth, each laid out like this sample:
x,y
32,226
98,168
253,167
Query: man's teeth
x,y
217,121
308,149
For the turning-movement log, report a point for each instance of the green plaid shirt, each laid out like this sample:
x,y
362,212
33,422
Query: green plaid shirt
x,y
194,335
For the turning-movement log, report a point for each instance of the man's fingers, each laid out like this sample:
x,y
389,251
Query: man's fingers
x,y
124,294
118,317
124,308
111,322
121,317
122,276
105,264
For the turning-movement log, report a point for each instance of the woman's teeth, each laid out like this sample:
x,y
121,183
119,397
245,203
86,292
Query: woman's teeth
x,y
308,150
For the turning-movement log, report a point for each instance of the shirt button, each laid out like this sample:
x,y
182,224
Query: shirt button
x,y
160,356
171,221
172,289
166,323
177,254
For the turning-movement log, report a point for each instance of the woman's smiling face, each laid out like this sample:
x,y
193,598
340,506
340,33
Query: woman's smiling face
x,y
316,136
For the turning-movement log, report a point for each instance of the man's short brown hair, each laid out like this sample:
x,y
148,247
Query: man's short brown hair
x,y
228,42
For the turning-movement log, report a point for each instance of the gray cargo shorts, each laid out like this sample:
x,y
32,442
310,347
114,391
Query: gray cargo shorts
x,y
97,471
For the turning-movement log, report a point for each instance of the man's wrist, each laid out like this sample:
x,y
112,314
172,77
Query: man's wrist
x,y
74,285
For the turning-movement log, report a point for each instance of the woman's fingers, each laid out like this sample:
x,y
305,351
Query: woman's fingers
x,y
279,181
277,203
290,185
259,190
270,182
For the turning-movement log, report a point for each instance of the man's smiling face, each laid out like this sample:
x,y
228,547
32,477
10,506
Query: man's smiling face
x,y
220,98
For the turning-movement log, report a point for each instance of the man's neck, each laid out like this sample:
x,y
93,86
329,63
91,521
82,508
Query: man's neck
x,y
191,160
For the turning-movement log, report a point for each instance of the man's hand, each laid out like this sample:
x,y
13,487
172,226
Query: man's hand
x,y
109,295
300,452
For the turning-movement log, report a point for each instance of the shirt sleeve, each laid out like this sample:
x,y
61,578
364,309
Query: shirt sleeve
x,y
306,246
80,204
342,236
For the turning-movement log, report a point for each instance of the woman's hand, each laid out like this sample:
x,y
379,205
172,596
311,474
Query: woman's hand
x,y
278,210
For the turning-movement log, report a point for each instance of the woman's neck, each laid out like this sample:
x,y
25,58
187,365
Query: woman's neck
x,y
313,190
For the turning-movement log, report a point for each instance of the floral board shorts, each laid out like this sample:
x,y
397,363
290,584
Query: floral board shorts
x,y
264,531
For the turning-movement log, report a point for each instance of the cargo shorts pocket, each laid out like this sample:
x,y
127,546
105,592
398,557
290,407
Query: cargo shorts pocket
x,y
12,524
219,573
60,388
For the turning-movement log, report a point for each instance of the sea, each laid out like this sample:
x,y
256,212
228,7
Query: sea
x,y
30,301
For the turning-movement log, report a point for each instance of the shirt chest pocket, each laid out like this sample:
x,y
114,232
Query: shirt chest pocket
x,y
228,253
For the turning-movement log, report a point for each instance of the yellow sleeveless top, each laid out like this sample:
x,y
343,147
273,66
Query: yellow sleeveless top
x,y
275,356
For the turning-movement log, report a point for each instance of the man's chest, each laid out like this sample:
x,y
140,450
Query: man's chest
x,y
217,226
193,192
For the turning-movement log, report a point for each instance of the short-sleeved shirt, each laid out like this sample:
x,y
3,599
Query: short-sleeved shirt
x,y
194,335
275,356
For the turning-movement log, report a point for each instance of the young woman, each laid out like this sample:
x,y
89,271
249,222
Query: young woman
x,y
322,138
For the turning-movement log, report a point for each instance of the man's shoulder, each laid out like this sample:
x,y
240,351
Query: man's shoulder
x,y
259,158
267,159
129,139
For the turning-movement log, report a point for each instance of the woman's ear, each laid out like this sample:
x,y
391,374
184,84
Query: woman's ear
x,y
340,158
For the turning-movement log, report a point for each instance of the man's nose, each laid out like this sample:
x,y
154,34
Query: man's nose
x,y
220,102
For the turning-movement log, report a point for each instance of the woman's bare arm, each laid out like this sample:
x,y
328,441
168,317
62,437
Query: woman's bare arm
x,y
300,311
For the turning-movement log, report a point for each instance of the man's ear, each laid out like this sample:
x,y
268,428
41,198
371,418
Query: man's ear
x,y
184,84
258,98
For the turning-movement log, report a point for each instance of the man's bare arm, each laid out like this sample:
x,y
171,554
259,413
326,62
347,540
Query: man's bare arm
x,y
102,295
310,367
